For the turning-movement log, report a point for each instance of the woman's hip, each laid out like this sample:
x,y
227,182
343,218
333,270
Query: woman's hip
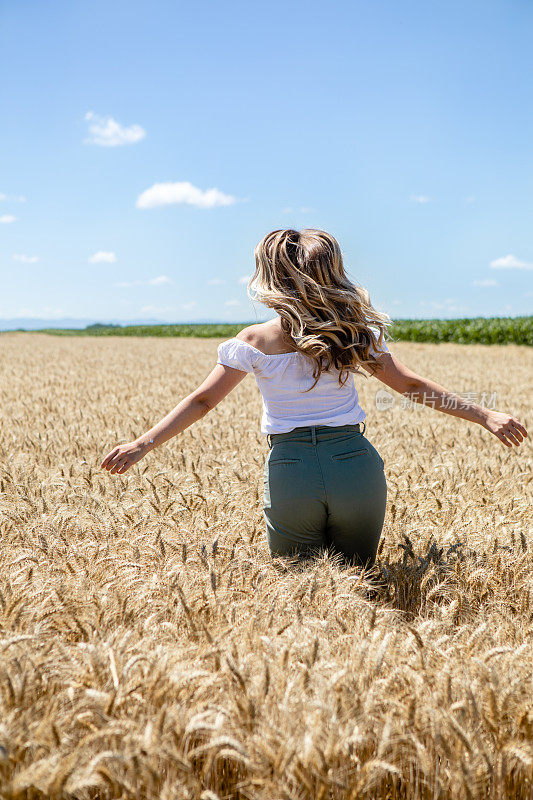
x,y
322,462
330,489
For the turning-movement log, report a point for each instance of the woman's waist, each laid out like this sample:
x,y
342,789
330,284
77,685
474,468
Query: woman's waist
x,y
276,421
316,433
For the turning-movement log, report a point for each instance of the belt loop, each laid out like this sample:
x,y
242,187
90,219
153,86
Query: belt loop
x,y
269,440
364,427
313,434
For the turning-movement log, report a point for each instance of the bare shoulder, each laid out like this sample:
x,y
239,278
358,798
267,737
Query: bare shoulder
x,y
250,335
264,336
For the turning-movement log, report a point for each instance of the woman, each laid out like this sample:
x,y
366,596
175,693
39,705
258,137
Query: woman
x,y
324,484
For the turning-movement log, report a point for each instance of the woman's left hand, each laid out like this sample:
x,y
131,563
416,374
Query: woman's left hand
x,y
507,428
122,457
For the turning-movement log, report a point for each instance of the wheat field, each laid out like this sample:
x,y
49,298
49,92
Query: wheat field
x,y
151,648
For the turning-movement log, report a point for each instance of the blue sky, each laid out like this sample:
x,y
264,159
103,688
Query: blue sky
x,y
403,128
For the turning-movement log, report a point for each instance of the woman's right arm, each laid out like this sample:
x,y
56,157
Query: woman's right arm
x,y
219,383
399,377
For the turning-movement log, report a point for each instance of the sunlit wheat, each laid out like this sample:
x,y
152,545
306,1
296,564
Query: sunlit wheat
x,y
150,648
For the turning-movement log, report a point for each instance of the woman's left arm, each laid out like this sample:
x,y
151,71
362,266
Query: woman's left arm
x,y
507,428
219,383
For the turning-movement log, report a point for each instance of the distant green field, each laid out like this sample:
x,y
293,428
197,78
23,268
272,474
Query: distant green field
x,y
476,330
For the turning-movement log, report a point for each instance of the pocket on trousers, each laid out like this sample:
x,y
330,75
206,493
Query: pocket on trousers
x,y
280,476
351,454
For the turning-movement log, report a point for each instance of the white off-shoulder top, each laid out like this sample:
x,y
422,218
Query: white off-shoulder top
x,y
282,379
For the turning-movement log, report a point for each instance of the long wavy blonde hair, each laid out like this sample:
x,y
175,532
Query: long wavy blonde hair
x,y
301,276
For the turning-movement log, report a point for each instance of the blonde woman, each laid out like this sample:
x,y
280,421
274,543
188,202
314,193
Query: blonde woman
x,y
324,482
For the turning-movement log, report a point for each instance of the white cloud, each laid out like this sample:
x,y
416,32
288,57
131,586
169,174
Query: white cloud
x,y
216,282
6,219
485,282
245,279
103,257
184,193
187,306
27,312
13,198
107,132
419,198
25,259
510,262
449,304
50,311
232,303
159,281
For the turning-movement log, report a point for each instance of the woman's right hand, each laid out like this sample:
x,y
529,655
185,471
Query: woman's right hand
x,y
122,457
507,428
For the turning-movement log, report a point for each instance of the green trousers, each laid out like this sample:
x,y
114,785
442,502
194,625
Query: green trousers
x,y
324,489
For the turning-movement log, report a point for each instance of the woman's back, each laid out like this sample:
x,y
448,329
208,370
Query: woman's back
x,y
285,380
